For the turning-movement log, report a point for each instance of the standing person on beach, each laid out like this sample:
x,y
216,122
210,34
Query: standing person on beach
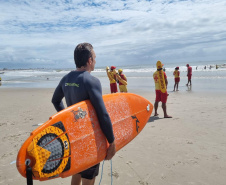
x,y
79,85
176,74
112,78
122,87
161,83
189,74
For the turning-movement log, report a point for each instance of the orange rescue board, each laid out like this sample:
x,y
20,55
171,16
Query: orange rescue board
x,y
72,141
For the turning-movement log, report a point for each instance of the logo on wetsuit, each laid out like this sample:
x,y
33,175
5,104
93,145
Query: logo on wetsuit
x,y
72,84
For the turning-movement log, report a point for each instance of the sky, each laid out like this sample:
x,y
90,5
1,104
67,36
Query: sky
x,y
44,33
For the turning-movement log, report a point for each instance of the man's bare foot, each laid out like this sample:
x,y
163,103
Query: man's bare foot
x,y
156,114
177,90
167,116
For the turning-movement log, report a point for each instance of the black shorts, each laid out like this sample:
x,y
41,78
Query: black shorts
x,y
91,172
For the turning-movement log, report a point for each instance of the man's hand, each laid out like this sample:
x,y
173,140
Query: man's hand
x,y
111,151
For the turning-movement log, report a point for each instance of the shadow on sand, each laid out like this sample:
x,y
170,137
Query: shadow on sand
x,y
153,118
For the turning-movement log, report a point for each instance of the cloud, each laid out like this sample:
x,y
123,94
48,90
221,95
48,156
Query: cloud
x,y
123,32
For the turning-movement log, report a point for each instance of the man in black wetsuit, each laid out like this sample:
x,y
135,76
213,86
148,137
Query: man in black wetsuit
x,y
80,85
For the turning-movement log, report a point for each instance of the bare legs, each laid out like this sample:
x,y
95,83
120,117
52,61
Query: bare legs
x,y
164,110
175,87
189,81
156,108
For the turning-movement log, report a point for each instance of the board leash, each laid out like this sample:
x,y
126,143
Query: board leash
x,y
29,174
111,173
102,172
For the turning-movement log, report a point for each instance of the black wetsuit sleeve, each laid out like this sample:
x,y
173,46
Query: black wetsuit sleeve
x,y
58,95
95,94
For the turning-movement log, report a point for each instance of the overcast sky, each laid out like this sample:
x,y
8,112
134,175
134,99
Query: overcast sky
x,y
44,33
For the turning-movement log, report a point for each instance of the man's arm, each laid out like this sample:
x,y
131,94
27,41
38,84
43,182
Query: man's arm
x,y
57,98
108,73
166,81
95,94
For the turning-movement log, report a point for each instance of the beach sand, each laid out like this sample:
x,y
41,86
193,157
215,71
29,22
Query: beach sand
x,y
189,149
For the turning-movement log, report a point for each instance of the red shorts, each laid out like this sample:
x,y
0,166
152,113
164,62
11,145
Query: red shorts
x,y
189,77
177,80
113,87
161,96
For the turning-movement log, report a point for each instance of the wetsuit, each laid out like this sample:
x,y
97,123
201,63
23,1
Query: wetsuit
x,y
77,86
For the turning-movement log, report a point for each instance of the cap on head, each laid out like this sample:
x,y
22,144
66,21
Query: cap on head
x,y
120,70
187,65
177,68
113,67
159,64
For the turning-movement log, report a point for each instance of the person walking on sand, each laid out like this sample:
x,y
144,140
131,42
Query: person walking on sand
x,y
122,87
176,74
79,85
161,83
112,79
189,74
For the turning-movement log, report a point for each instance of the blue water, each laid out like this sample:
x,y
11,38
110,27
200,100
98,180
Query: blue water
x,y
139,77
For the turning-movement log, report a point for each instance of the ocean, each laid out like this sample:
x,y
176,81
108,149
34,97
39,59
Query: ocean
x,y
209,79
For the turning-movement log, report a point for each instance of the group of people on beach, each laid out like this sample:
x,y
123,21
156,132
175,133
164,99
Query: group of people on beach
x,y
176,74
161,83
79,85
117,77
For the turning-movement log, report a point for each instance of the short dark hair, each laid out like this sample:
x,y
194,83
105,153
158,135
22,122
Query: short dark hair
x,y
82,53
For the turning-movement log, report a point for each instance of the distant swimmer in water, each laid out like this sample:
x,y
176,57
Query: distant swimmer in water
x,y
176,74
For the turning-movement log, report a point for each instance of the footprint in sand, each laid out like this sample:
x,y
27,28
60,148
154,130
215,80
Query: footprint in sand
x,y
114,174
129,162
143,183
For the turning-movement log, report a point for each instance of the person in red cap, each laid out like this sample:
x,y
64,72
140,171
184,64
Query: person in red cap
x,y
189,74
161,83
176,74
112,78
